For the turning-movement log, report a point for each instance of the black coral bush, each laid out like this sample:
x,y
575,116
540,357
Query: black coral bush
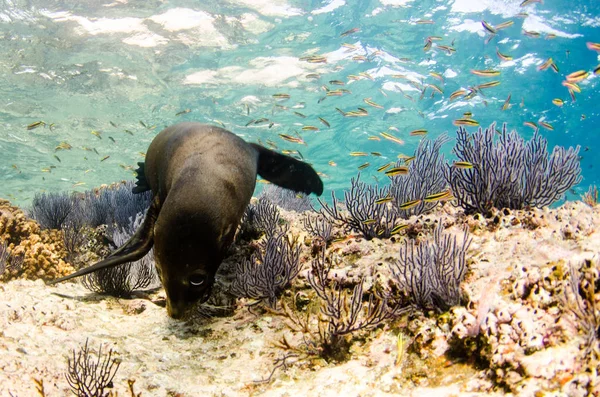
x,y
508,172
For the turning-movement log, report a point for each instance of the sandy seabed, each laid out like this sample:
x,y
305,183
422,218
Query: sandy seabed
x,y
529,345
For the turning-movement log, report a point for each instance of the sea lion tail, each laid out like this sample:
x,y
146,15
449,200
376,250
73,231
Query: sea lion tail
x,y
287,172
141,185
135,248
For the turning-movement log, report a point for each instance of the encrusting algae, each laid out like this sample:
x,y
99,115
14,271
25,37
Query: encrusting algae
x,y
42,251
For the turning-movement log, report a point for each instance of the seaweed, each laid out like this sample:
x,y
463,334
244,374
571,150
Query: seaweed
x,y
363,214
51,210
430,272
88,377
591,196
509,172
270,269
579,300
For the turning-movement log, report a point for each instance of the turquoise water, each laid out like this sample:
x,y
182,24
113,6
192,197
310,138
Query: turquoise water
x,y
126,69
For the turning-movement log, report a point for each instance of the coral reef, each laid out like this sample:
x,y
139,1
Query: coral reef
x,y
42,251
88,377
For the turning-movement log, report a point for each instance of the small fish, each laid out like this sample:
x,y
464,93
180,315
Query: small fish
x,y
300,115
392,138
504,25
63,146
57,158
322,120
427,45
467,115
143,124
546,64
571,86
384,200
409,204
184,111
398,228
437,76
359,58
503,57
314,59
418,132
437,196
368,101
558,102
488,85
527,2
261,120
547,126
369,221
35,125
577,76
363,166
436,88
469,122
531,33
593,46
350,31
407,160
376,154
313,76
462,165
310,128
488,27
457,94
96,133
112,139
78,184
425,22
486,73
384,167
447,48
113,124
129,132
401,170
104,158
506,104
530,124
373,138
597,70
281,96
140,153
292,139
336,82
550,36
358,154
332,163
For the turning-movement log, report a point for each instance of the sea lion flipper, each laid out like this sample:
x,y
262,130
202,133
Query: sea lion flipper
x,y
135,248
141,185
287,172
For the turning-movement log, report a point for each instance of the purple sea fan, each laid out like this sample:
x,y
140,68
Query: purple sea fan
x,y
509,172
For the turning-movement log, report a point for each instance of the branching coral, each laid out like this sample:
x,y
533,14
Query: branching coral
x,y
319,227
260,217
509,172
51,210
425,177
122,280
327,324
88,376
369,213
363,214
286,199
431,272
269,271
591,196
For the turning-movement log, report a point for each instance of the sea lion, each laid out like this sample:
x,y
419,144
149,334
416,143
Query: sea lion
x,y
202,178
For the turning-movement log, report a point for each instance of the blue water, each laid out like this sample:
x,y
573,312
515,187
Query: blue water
x,y
109,66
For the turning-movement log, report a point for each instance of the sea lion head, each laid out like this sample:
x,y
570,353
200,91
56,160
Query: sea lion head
x,y
189,248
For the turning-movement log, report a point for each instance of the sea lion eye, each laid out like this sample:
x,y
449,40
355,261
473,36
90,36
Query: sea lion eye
x,y
196,280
